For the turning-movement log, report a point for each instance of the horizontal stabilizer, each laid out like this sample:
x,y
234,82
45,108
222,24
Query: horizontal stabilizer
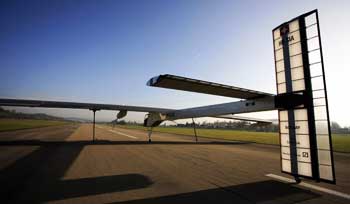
x,y
199,86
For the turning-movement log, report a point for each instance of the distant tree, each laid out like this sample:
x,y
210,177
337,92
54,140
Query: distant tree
x,y
335,125
336,128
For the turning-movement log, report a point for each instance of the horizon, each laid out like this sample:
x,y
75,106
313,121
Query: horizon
x,y
105,53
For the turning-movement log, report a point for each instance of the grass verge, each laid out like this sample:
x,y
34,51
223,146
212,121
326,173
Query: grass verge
x,y
17,124
341,142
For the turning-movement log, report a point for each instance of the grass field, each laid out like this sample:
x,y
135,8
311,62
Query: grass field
x,y
16,124
341,142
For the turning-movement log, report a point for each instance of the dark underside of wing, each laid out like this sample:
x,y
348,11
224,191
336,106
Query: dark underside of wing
x,y
199,86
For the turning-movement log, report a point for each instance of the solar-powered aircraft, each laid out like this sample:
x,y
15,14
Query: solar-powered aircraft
x,y
301,100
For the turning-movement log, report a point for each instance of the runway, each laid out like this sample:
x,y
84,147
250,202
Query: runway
x,y
61,165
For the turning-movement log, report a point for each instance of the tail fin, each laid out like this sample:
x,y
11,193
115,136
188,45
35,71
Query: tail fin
x,y
305,137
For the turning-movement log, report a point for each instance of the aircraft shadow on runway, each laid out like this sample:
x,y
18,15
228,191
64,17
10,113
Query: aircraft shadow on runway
x,y
269,191
37,177
73,188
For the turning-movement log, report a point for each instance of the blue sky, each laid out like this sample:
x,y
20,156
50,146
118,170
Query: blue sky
x,y
105,51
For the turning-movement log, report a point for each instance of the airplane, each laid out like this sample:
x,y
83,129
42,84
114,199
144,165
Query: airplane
x,y
301,101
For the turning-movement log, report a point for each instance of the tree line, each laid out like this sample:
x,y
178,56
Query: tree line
x,y
237,125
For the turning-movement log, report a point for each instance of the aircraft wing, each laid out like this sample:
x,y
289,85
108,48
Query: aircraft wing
x,y
74,105
199,86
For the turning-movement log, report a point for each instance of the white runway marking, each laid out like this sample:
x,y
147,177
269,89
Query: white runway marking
x,y
120,133
307,185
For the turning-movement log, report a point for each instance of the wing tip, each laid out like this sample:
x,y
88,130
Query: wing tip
x,y
154,80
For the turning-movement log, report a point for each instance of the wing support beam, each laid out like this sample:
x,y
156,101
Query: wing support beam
x,y
246,106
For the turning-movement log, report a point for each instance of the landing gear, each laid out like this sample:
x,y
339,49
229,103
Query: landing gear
x,y
150,134
297,179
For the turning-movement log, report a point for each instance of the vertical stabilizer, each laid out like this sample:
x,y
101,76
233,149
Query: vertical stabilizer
x,y
305,137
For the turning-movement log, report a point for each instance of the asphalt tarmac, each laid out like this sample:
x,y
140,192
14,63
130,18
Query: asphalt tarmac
x,y
62,165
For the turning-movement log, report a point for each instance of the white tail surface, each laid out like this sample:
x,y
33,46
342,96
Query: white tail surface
x,y
306,146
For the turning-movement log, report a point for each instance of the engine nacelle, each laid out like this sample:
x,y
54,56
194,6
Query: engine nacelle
x,y
122,114
153,119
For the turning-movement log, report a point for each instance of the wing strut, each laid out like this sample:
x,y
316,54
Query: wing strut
x,y
194,129
93,124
